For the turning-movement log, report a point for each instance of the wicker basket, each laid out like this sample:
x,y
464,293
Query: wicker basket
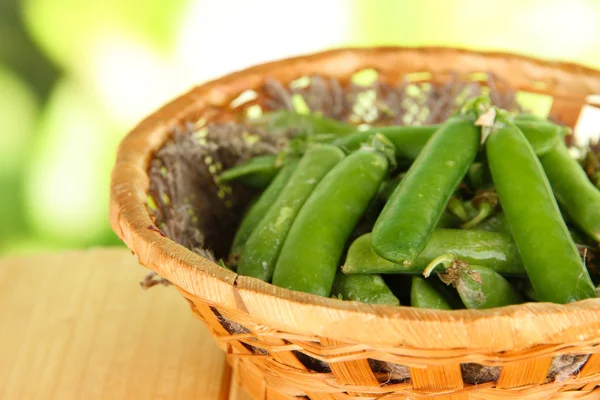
x,y
289,327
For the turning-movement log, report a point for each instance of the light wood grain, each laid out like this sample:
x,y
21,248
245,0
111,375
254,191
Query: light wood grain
x,y
77,325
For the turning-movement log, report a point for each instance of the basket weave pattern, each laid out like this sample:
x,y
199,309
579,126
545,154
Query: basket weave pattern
x,y
278,330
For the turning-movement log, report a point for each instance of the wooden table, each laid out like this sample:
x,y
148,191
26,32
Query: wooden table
x,y
77,325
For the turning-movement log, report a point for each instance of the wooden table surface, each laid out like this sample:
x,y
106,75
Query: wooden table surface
x,y
77,325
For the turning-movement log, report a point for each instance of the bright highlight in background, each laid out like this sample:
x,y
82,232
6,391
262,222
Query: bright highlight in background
x,y
130,77
67,184
218,37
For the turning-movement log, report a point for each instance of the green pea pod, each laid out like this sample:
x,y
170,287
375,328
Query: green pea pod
x,y
256,172
414,209
457,208
577,196
369,289
490,249
483,288
493,250
526,117
448,220
223,265
302,123
259,209
542,137
549,255
388,187
449,293
408,140
479,176
499,223
311,252
264,244
424,295
477,286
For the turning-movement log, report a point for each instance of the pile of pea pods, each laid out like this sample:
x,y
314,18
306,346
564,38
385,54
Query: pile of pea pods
x,y
484,210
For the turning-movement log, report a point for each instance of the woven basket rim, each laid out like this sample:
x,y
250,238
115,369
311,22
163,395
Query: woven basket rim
x,y
201,278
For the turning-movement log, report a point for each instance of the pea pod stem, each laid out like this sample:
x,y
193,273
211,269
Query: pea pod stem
x,y
445,260
486,202
381,144
495,223
485,210
457,208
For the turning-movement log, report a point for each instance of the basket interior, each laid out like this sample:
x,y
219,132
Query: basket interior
x,y
194,210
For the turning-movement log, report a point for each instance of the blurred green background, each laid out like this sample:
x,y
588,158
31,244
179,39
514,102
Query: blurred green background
x,y
75,76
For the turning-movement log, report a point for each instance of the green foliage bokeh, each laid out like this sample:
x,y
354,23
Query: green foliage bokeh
x,y
68,92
